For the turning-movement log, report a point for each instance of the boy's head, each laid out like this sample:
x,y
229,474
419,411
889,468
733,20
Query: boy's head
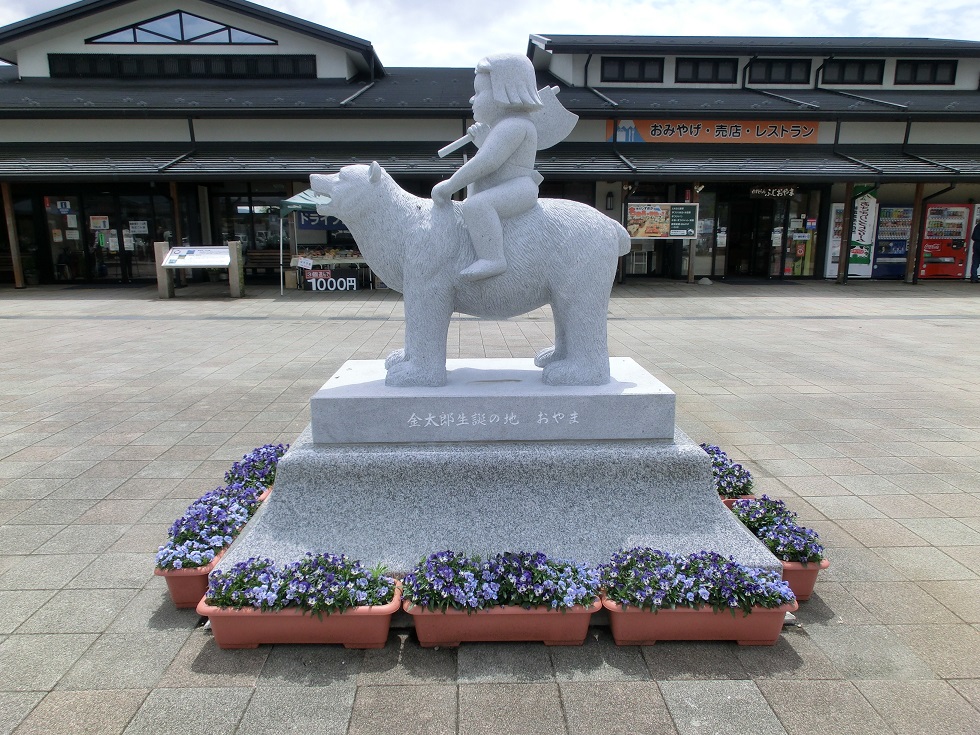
x,y
513,81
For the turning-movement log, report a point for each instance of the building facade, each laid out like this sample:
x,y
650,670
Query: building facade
x,y
190,121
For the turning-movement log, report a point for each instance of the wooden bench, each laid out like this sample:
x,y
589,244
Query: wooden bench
x,y
256,260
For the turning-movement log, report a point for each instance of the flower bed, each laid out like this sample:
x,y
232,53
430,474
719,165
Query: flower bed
x,y
731,479
508,597
320,598
212,522
653,595
258,467
798,547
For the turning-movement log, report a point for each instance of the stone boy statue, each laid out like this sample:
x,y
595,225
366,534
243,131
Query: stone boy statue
x,y
501,252
501,177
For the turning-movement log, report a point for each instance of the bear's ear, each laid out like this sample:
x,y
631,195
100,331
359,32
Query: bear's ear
x,y
375,174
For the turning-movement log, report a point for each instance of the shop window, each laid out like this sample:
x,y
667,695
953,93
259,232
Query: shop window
x,y
247,215
925,72
617,69
854,71
706,71
183,66
779,71
180,28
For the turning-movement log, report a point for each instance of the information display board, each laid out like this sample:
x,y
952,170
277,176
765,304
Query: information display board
x,y
197,258
649,221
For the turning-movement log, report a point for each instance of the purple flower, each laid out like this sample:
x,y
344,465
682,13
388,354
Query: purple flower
x,y
310,583
731,479
652,579
452,580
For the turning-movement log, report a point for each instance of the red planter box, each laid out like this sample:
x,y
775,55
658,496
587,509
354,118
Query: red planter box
x,y
636,627
802,577
188,586
504,623
358,627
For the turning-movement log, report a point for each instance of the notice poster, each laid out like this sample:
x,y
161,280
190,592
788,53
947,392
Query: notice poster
x,y
648,221
112,239
138,227
57,236
128,241
98,222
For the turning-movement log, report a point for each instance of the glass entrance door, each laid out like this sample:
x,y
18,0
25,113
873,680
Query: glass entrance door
x,y
63,218
750,237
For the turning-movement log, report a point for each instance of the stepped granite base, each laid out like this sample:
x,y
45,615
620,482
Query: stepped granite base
x,y
393,504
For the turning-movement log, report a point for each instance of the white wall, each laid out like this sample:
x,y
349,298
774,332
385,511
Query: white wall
x,y
945,133
440,132
32,60
98,131
872,132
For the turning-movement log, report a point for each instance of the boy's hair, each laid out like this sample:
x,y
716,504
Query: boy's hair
x,y
513,81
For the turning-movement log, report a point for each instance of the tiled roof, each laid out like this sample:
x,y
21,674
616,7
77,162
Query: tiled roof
x,y
420,92
755,45
590,161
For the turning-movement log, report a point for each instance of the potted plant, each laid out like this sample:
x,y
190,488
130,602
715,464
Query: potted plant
x,y
321,598
198,538
798,548
732,480
509,597
258,467
652,595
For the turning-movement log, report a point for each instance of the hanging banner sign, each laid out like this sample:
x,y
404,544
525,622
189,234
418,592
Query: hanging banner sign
x,y
863,235
711,131
649,221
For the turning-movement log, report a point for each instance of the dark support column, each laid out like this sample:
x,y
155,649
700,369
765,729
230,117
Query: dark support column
x,y
8,211
915,237
692,243
178,242
847,225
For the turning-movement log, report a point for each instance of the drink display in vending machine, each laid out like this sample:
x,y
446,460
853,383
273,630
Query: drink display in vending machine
x,y
892,243
945,241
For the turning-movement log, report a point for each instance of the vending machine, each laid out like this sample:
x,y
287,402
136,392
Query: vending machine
x,y
945,241
892,243
973,253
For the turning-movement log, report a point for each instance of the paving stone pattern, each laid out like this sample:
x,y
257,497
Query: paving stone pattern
x,y
858,404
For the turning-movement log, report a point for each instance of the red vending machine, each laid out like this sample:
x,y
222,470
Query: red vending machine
x,y
945,242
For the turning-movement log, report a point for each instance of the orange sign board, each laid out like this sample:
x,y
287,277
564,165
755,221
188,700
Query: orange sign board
x,y
711,131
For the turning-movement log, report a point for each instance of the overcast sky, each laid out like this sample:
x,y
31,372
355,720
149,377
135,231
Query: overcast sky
x,y
461,32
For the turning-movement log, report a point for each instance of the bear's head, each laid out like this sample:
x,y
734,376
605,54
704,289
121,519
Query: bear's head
x,y
349,189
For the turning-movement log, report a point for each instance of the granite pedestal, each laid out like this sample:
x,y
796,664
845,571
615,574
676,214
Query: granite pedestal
x,y
578,489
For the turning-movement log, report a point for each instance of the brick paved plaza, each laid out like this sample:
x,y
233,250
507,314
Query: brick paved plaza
x,y
858,404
